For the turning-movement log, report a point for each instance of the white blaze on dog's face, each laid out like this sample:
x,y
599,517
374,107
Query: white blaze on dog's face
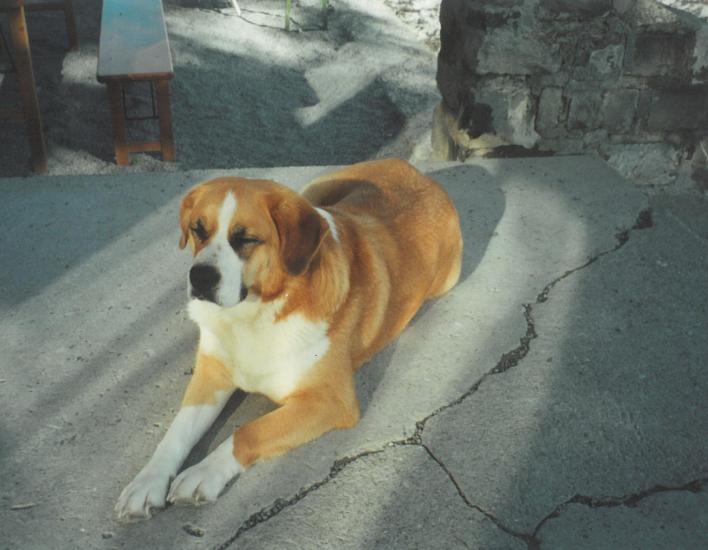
x,y
216,271
247,237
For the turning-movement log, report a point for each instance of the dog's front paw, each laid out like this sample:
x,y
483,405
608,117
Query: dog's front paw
x,y
145,493
204,482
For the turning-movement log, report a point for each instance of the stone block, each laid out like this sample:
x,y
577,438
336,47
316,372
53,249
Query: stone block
x,y
646,96
512,110
699,166
594,139
582,8
600,63
565,145
618,110
679,109
623,6
607,61
453,10
659,54
506,51
550,110
453,74
652,15
635,138
653,164
584,110
700,56
488,5
471,44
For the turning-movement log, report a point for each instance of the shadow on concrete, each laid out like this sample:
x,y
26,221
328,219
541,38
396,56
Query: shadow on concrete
x,y
66,224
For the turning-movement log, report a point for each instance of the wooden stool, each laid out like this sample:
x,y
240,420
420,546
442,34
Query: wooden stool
x,y
133,47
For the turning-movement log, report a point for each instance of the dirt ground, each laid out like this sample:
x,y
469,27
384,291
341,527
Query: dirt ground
x,y
352,83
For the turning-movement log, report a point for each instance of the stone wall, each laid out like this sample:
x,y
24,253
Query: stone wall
x,y
627,79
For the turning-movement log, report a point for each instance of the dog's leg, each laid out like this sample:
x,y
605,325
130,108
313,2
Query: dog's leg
x,y
207,393
302,418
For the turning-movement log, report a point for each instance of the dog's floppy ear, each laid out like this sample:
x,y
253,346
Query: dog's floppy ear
x,y
300,231
188,202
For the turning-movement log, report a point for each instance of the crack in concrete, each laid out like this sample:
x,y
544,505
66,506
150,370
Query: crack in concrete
x,y
522,536
266,513
631,500
512,358
644,221
507,361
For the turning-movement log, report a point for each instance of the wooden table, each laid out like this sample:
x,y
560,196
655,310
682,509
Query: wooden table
x,y
25,74
133,46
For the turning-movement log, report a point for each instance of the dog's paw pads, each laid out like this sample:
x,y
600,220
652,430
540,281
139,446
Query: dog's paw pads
x,y
205,481
198,485
142,495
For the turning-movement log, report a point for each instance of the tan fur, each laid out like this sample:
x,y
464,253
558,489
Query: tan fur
x,y
209,377
398,244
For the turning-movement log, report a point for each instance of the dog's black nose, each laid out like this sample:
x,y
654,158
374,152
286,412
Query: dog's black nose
x,y
203,278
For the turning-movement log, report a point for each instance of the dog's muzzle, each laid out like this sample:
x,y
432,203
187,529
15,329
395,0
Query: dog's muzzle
x,y
204,279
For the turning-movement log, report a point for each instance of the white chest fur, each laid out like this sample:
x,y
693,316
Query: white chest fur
x,y
263,355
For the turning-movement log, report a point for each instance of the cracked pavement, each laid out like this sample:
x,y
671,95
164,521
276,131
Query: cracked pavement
x,y
556,398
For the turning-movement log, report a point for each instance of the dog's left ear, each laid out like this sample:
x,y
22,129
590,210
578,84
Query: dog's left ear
x,y
185,210
300,231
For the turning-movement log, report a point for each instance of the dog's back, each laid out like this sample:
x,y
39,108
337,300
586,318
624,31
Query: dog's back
x,y
403,232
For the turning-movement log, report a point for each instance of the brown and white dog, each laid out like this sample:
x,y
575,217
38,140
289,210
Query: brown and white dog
x,y
292,294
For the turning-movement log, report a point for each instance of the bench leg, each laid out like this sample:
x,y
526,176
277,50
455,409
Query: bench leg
x,y
70,18
167,143
28,91
120,135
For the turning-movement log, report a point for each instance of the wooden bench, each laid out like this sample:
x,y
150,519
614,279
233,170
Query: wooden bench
x,y
133,47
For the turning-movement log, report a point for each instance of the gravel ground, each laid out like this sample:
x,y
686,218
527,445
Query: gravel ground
x,y
352,83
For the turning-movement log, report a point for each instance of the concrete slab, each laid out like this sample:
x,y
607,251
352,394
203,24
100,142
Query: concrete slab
x,y
688,210
666,520
399,498
609,403
97,347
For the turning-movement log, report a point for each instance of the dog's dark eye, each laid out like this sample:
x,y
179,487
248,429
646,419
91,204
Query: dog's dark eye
x,y
200,231
240,239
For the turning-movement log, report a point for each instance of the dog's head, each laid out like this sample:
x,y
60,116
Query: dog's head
x,y
247,238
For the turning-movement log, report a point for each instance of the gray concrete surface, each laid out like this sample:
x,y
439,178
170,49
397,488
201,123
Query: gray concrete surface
x,y
554,399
